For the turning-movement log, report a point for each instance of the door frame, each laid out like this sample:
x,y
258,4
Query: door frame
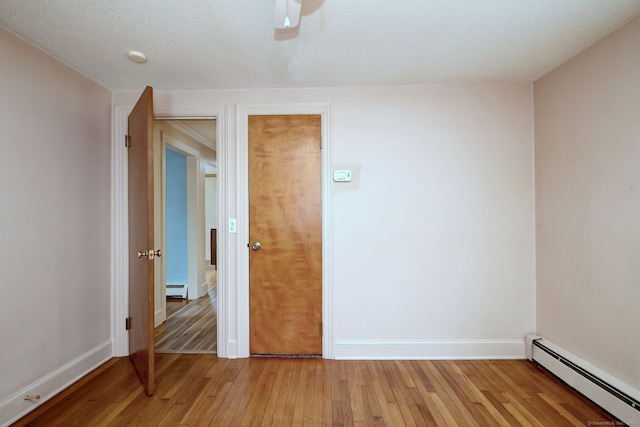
x,y
242,123
163,108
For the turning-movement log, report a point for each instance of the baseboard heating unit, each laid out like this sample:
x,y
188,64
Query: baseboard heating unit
x,y
614,396
177,290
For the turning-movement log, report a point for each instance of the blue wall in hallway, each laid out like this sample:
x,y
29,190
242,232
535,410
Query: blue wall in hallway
x,y
177,249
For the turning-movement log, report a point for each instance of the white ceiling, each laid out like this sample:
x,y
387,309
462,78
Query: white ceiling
x,y
210,44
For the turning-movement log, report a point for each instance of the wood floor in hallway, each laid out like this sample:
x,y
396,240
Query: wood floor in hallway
x,y
190,328
200,390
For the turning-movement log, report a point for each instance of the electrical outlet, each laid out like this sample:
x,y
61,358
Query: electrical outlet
x,y
233,226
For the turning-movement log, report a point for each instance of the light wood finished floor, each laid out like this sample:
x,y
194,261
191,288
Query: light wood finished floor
x,y
190,328
201,389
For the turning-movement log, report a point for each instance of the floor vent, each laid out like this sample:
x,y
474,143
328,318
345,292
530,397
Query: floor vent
x,y
611,394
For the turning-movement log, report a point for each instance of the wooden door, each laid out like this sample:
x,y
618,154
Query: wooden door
x,y
285,218
141,266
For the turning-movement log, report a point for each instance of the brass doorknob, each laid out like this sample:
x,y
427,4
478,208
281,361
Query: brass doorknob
x,y
150,254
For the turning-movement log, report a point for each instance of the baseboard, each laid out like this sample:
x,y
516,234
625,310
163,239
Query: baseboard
x,y
16,407
607,391
204,288
429,350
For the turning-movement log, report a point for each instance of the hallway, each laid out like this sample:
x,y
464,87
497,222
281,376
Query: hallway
x,y
191,327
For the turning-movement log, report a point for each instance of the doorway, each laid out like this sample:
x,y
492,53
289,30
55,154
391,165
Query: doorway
x,y
186,294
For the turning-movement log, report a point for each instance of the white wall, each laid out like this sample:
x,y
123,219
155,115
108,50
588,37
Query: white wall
x,y
587,127
433,240
54,225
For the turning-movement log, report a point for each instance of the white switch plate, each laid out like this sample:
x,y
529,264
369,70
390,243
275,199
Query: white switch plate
x,y
233,226
342,175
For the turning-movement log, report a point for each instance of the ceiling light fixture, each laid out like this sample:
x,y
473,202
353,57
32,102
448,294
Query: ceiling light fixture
x,y
287,14
136,56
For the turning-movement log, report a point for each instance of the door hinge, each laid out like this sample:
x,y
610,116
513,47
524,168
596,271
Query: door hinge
x,y
126,141
321,143
127,323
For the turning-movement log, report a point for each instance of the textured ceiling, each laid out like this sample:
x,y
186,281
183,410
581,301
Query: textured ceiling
x,y
207,44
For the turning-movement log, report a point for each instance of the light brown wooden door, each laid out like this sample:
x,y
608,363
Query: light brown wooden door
x,y
285,217
141,280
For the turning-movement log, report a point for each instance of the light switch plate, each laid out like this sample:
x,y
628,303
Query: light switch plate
x,y
233,226
342,175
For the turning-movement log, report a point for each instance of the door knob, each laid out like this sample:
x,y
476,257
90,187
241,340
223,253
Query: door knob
x,y
256,246
150,254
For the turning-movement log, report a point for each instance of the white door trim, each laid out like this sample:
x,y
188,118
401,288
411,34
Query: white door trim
x,y
243,112
119,218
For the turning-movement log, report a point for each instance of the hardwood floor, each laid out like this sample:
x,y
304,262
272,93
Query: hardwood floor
x,y
175,304
192,328
201,390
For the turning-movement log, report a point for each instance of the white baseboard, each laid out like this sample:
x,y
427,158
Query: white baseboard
x,y
204,288
609,392
15,407
429,350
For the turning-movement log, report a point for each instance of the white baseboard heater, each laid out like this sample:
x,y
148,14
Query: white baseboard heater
x,y
611,394
177,290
